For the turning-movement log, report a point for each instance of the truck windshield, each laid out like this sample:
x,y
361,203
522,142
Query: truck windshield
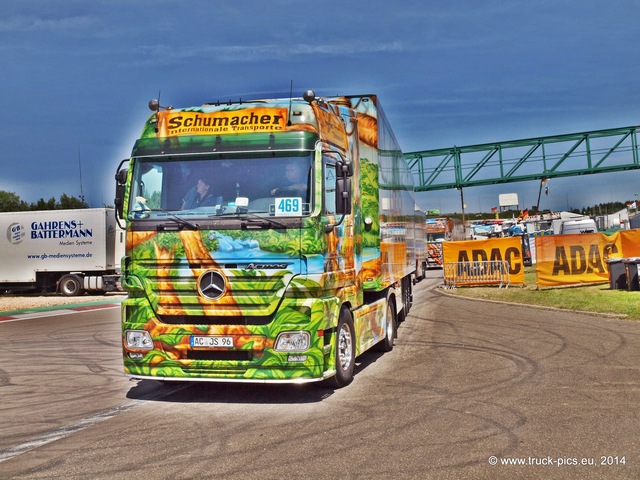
x,y
205,186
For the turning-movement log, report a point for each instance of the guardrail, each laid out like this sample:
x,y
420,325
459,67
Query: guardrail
x,y
493,272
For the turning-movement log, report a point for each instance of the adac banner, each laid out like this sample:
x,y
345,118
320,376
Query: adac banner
x,y
507,248
173,123
581,258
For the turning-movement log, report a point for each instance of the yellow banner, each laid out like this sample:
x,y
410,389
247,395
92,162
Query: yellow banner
x,y
629,243
508,249
174,123
581,258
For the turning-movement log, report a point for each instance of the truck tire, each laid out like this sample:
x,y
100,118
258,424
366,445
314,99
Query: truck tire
x,y
407,298
390,329
70,285
345,351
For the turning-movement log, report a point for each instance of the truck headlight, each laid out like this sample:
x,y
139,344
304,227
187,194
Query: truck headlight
x,y
292,342
138,340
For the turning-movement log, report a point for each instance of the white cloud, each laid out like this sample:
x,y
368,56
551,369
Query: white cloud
x,y
252,53
24,23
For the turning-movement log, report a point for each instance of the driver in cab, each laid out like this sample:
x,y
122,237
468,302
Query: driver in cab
x,y
199,196
296,175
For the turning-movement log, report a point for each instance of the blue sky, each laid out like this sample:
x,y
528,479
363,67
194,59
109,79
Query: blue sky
x,y
77,76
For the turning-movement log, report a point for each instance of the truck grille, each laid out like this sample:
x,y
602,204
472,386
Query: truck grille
x,y
215,319
250,298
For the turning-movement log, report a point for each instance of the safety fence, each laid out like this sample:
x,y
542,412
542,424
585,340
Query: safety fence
x,y
493,272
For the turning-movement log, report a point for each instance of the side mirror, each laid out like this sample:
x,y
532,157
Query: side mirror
x,y
344,168
343,195
121,185
121,176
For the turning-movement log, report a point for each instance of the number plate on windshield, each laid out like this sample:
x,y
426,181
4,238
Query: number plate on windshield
x,y
208,342
288,206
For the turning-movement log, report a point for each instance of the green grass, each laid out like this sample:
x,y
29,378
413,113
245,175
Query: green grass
x,y
593,298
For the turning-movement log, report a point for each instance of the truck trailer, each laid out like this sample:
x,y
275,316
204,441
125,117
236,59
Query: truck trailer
x,y
240,269
69,251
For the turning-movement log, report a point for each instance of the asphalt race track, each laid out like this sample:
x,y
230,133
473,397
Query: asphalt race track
x,y
471,390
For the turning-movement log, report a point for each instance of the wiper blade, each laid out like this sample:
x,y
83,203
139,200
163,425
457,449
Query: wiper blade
x,y
252,221
176,220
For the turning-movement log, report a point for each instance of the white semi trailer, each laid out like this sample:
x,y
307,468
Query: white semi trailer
x,y
69,251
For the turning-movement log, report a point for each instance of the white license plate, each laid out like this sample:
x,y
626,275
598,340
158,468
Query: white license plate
x,y
288,206
208,342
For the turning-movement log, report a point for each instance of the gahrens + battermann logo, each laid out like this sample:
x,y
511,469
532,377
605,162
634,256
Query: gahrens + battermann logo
x,y
15,233
61,229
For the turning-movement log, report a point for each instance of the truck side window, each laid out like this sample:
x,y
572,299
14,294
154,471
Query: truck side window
x,y
150,185
329,189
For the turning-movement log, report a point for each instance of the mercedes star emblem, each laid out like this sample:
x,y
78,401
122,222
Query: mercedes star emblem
x,y
211,284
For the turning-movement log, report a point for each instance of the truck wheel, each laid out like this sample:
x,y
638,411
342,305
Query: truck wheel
x,y
386,345
408,297
70,285
345,351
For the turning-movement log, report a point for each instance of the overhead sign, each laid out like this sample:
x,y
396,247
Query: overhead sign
x,y
508,199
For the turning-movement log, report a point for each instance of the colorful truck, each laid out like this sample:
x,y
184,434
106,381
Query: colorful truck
x,y
436,234
438,231
266,276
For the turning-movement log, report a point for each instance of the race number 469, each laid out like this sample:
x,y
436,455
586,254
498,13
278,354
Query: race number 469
x,y
289,206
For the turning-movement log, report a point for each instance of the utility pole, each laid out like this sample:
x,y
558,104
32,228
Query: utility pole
x,y
80,168
542,182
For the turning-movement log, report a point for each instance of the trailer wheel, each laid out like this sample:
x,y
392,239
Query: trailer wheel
x,y
407,299
345,351
70,285
386,345
409,293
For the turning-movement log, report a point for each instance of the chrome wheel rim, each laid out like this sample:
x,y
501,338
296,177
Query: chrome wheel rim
x,y
389,330
345,343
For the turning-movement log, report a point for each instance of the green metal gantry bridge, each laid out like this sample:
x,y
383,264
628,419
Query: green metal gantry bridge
x,y
599,151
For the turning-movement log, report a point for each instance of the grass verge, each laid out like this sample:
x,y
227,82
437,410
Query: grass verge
x,y
592,298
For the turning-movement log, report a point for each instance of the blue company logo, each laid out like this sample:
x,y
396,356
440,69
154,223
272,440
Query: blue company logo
x,y
15,233
60,229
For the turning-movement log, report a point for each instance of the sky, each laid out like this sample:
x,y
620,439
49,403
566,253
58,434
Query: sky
x,y
76,78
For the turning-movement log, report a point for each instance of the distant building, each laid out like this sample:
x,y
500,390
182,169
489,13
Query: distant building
x,y
616,220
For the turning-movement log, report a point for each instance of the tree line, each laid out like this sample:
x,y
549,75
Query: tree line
x,y
11,202
591,211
